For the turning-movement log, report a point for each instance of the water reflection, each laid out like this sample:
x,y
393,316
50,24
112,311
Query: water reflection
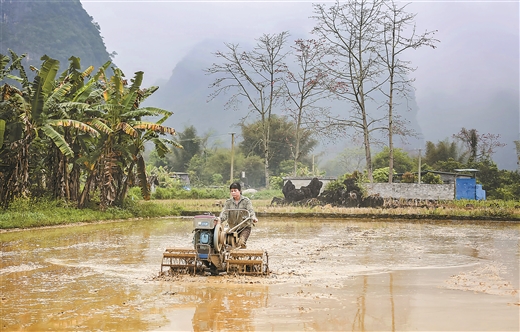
x,y
359,318
229,308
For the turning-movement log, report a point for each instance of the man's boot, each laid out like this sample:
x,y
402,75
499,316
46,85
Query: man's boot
x,y
242,238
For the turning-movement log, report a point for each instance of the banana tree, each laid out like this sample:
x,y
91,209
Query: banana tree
x,y
124,135
64,179
31,114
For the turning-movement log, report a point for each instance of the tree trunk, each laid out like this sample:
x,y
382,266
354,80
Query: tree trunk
x,y
390,131
84,198
143,181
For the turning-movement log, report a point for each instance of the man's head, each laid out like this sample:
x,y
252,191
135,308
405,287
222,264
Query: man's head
x,y
235,185
235,190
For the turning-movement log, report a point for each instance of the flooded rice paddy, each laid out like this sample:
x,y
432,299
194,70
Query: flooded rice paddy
x,y
327,275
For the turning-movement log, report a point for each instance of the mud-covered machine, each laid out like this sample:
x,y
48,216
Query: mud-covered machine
x,y
215,251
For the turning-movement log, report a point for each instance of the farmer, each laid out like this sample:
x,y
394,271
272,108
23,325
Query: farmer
x,y
237,201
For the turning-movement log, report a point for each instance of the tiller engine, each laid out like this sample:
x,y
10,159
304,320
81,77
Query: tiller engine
x,y
215,251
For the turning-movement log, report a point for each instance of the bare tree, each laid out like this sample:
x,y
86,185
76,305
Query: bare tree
x,y
304,89
479,146
254,77
352,159
399,35
352,31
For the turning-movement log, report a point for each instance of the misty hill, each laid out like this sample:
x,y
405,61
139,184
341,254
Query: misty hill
x,y
186,94
59,29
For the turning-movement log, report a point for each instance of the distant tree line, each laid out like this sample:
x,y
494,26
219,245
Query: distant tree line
x,y
463,151
211,165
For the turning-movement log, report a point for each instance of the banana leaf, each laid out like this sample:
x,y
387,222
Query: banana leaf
x,y
154,127
74,124
58,140
100,126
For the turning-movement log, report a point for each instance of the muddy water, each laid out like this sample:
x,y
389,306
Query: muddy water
x,y
336,275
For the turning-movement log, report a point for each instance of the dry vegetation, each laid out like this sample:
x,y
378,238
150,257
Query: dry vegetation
x,y
444,210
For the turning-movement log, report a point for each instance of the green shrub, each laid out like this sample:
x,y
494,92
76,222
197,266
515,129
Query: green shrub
x,y
381,174
217,179
276,182
134,194
431,178
335,185
163,193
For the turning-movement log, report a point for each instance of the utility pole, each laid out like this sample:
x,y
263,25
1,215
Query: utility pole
x,y
232,156
419,172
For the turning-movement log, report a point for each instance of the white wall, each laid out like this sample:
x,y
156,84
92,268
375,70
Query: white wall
x,y
412,190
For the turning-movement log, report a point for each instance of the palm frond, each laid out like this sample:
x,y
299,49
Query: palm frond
x,y
74,124
92,81
108,108
173,143
72,70
161,147
137,81
128,129
14,78
4,61
48,72
56,96
37,99
129,101
154,127
158,111
95,94
16,63
141,174
75,105
148,92
87,71
58,140
100,126
136,114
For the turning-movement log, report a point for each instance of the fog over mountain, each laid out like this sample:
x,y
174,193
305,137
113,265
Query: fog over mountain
x,y
471,80
186,93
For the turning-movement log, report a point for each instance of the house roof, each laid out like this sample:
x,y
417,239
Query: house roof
x,y
466,170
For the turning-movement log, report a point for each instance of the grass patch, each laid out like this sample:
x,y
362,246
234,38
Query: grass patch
x,y
26,213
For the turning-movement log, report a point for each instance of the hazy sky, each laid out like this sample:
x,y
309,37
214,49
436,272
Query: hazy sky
x,y
471,79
